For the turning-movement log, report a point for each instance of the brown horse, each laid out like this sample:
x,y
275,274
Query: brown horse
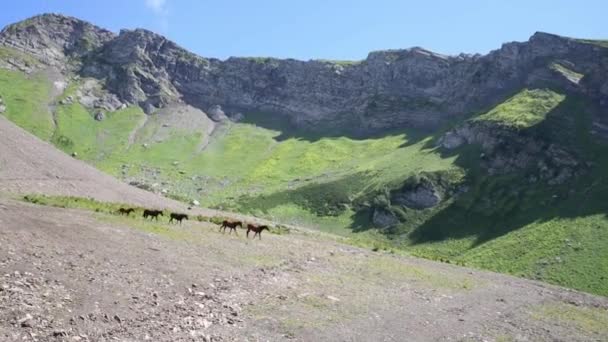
x,y
152,214
123,211
178,217
256,229
231,225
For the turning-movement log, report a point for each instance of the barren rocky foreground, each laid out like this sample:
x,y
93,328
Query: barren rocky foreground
x,y
72,275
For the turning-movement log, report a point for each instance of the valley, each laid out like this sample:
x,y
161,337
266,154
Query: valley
x,y
495,162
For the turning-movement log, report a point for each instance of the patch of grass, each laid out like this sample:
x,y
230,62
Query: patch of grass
x,y
526,109
7,53
569,73
338,62
26,98
78,203
584,319
101,143
598,42
386,268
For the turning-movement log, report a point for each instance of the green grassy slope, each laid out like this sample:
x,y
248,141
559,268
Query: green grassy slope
x,y
503,223
26,99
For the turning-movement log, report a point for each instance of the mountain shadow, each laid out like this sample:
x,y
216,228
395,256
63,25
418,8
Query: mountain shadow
x,y
501,203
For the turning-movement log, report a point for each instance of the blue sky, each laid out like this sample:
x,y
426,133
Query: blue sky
x,y
331,29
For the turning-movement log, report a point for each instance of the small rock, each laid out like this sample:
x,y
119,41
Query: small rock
x,y
333,299
117,319
99,116
195,203
27,321
60,333
74,154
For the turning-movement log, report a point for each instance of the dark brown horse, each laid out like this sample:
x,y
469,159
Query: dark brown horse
x,y
127,211
232,225
152,214
178,217
256,229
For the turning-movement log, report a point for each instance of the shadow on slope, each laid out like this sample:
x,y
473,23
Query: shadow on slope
x,y
498,204
349,129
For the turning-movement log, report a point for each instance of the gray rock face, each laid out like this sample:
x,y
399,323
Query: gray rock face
x,y
54,38
383,218
505,150
396,88
420,197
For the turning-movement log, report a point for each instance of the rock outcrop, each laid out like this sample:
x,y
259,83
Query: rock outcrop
x,y
396,88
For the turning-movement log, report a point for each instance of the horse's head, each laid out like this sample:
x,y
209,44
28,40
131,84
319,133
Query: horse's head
x,y
238,223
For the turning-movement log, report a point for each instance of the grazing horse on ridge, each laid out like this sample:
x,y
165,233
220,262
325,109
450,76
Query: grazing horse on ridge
x,y
231,225
123,211
178,217
152,214
256,229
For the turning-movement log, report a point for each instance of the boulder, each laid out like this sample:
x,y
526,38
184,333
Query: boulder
x,y
421,196
383,218
451,140
216,113
99,116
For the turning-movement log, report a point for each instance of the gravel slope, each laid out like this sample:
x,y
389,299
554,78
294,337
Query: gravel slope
x,y
71,275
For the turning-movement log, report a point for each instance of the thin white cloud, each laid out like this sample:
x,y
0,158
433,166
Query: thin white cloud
x,y
158,6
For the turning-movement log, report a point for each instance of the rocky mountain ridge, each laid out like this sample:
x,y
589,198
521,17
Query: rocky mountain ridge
x,y
394,88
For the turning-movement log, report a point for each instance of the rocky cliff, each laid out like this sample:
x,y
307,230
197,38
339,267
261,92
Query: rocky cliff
x,y
397,88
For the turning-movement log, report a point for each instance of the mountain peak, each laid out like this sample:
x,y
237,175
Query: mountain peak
x,y
52,37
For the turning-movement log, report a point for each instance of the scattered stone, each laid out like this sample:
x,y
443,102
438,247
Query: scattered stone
x,y
99,116
195,203
206,324
216,113
333,299
27,321
60,333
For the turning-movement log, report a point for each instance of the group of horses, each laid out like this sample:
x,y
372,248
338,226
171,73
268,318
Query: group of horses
x,y
178,217
257,230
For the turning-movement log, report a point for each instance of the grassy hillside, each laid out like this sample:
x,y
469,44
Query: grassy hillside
x,y
507,223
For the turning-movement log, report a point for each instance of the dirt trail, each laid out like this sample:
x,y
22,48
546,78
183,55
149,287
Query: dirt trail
x,y
71,275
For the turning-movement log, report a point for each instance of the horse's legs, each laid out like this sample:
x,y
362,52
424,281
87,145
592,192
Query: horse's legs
x,y
248,230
